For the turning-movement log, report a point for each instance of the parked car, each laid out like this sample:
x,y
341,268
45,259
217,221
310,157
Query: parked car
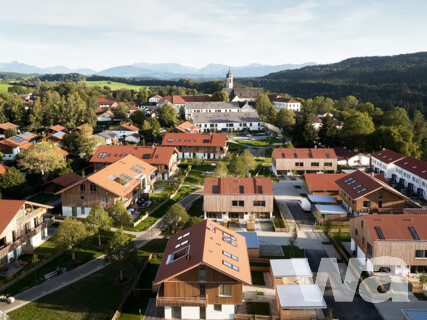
x,y
304,204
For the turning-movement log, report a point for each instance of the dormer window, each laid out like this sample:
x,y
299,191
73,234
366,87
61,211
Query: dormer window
x,y
242,189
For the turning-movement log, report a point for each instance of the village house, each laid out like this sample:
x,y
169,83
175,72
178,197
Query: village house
x,y
107,103
283,103
54,138
303,160
383,161
61,182
240,94
22,228
110,137
192,108
14,145
155,99
363,194
104,114
252,243
351,158
125,129
181,101
54,129
125,180
6,126
400,236
164,159
411,173
238,198
323,184
228,121
205,146
202,273
186,127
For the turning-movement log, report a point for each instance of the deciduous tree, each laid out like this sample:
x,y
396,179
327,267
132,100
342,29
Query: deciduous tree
x,y
220,96
119,215
12,182
70,233
175,219
237,168
167,115
97,221
220,170
356,129
285,120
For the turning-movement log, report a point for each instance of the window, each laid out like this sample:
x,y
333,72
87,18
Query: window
x,y
315,164
366,204
82,187
126,177
202,275
227,254
215,189
233,215
259,203
242,189
356,233
234,203
369,250
414,233
82,198
136,170
217,307
421,254
176,312
178,254
105,201
379,233
260,189
184,235
299,164
225,290
361,223
93,187
228,264
328,164
102,155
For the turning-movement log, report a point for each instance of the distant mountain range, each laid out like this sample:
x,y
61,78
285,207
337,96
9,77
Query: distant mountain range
x,y
159,70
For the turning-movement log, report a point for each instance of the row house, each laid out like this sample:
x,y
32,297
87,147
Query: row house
x,y
323,184
202,273
364,194
283,103
205,146
230,121
350,158
124,180
303,160
186,127
6,126
23,227
14,145
399,236
238,198
412,174
383,161
164,159
192,108
125,129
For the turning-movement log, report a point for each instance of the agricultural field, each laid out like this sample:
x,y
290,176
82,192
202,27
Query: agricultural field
x,y
113,85
4,87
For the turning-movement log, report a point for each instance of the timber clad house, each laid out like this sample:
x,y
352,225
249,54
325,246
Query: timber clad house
x,y
400,236
165,159
303,160
202,273
205,146
125,180
364,194
238,198
22,228
323,184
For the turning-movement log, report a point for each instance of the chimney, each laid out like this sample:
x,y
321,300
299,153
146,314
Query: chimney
x,y
212,228
372,174
152,146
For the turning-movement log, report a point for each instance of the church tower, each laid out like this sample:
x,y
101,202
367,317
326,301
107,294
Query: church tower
x,y
229,80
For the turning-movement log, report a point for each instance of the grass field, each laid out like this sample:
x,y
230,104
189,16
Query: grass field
x,y
196,209
4,87
196,176
113,85
260,143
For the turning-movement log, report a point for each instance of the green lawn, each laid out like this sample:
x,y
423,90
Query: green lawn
x,y
196,209
4,87
113,85
260,143
257,278
342,236
278,220
261,308
234,147
44,197
196,176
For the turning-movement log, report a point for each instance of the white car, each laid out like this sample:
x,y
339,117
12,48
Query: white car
x,y
304,204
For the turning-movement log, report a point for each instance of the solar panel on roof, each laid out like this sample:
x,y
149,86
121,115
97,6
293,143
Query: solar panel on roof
x,y
17,139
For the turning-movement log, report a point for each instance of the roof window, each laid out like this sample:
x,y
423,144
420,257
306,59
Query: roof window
x,y
414,233
242,189
379,232
260,189
102,155
178,254
215,189
232,256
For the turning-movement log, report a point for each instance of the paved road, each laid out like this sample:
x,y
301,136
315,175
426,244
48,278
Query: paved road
x,y
304,220
188,201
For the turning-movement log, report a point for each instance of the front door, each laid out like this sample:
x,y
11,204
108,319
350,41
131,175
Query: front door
x,y
202,290
202,312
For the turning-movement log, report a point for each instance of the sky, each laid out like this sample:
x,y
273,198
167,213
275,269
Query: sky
x,y
99,34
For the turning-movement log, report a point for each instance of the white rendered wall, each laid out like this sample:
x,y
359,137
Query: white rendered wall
x,y
190,312
168,312
227,312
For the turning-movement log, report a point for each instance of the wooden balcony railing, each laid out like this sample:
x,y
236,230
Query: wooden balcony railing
x,y
162,301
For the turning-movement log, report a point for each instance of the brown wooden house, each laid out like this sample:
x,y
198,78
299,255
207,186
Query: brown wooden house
x,y
202,273
323,184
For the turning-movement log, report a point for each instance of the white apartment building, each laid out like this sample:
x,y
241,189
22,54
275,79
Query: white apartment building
x,y
384,161
412,173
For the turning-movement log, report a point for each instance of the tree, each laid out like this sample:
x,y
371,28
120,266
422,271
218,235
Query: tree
x,y
137,118
150,127
34,260
181,113
396,117
220,170
237,167
248,160
142,96
10,133
356,129
12,182
220,96
42,158
263,105
118,214
70,233
196,161
305,135
399,140
121,251
97,221
121,112
285,120
192,221
82,142
328,132
175,219
167,115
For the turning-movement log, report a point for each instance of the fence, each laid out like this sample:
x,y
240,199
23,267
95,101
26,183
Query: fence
x,y
237,316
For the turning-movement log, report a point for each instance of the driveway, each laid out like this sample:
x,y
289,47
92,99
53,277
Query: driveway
x,y
304,220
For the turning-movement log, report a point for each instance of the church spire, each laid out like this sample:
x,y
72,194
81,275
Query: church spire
x,y
229,79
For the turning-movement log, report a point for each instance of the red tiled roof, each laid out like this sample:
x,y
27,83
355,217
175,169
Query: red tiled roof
x,y
359,184
195,139
188,127
65,180
10,143
58,128
396,226
206,247
156,155
323,181
414,211
304,153
100,110
280,99
344,154
105,101
3,168
387,156
232,185
413,165
126,126
183,99
8,125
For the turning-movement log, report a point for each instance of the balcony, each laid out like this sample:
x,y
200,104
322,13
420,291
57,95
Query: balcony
x,y
162,301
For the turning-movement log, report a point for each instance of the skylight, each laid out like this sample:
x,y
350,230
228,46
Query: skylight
x,y
260,189
184,235
347,180
178,254
232,256
215,189
414,233
295,155
136,170
228,264
126,177
170,140
358,186
283,155
242,189
140,167
102,155
181,244
379,232
310,155
405,163
327,155
361,190
414,167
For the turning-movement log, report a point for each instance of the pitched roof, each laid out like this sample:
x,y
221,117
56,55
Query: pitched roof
x,y
344,154
9,209
294,267
119,178
15,142
57,128
304,153
323,182
233,186
125,127
3,168
187,127
359,184
27,135
195,139
413,165
65,180
396,226
8,125
226,117
107,135
213,105
151,155
387,156
205,244
183,99
251,93
414,211
302,296
314,118
59,135
105,101
278,98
